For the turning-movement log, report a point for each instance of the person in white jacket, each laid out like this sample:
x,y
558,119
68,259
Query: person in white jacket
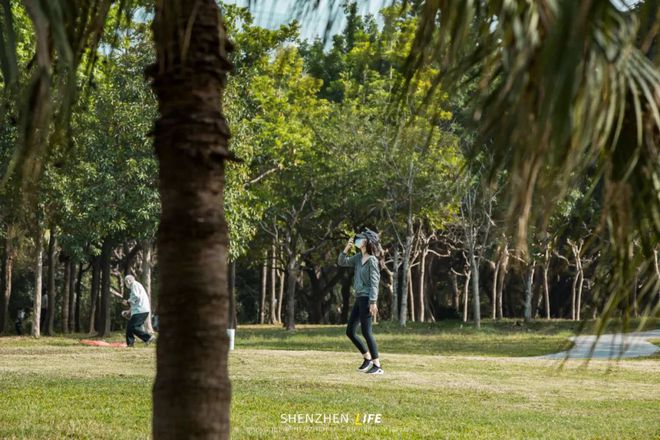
x,y
140,309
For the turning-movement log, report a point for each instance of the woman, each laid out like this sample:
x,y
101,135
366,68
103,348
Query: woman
x,y
365,282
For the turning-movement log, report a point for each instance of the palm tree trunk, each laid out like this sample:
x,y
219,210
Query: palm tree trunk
x,y
192,392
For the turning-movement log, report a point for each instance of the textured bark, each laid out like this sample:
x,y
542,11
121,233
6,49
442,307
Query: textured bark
x,y
52,246
192,392
104,309
38,276
65,296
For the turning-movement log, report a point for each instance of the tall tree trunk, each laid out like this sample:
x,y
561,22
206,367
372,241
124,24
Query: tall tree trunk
x,y
476,297
78,295
529,291
104,319
192,391
466,290
145,277
65,295
292,272
52,246
579,294
428,310
273,283
8,271
38,274
264,286
94,292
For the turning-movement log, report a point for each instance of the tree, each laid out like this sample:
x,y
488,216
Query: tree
x,y
192,391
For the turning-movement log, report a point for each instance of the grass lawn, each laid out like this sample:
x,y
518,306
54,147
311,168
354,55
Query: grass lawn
x,y
441,381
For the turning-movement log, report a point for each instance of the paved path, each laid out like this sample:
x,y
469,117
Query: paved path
x,y
610,346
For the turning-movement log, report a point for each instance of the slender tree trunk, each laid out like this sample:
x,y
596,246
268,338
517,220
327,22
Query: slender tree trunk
x,y
273,284
466,290
8,271
422,285
264,286
494,294
579,293
233,318
546,291
280,298
529,292
395,285
476,297
406,278
104,319
52,245
78,295
500,285
145,273
346,298
65,295
292,272
72,296
428,310
411,296
456,300
192,391
94,292
38,273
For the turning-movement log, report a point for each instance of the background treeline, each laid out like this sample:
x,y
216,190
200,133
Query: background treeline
x,y
326,150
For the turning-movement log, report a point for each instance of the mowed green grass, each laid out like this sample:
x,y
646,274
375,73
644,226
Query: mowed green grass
x,y
55,388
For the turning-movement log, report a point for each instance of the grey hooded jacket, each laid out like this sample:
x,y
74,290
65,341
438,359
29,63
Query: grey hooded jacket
x,y
367,276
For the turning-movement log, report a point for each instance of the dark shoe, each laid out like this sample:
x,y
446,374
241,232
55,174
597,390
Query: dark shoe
x,y
365,365
375,370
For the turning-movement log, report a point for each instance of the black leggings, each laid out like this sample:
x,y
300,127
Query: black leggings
x,y
360,314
